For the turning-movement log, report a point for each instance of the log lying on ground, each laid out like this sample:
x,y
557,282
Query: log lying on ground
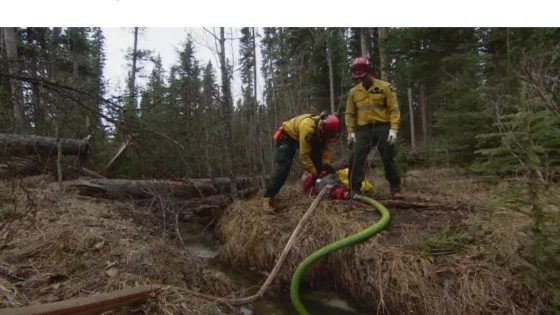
x,y
94,304
141,189
23,145
201,209
423,204
15,166
194,209
19,166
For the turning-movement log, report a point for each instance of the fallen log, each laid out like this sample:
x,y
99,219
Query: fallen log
x,y
95,304
28,166
207,207
88,172
24,145
420,204
194,209
19,166
142,189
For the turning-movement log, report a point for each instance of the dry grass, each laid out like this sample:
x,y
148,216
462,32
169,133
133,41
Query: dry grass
x,y
388,273
55,245
59,245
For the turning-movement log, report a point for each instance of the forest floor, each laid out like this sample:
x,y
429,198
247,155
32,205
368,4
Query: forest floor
x,y
452,252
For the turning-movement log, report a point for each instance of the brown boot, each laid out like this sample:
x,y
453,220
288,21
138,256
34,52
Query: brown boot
x,y
267,203
397,195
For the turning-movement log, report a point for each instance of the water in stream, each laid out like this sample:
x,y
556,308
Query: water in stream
x,y
316,302
201,242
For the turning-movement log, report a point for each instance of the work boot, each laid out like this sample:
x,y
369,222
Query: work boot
x,y
267,203
352,195
397,194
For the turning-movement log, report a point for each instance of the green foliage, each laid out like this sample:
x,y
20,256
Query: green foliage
x,y
528,141
537,262
447,63
296,72
525,144
71,57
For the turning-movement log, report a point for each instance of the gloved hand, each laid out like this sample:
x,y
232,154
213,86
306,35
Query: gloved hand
x,y
392,138
351,137
328,169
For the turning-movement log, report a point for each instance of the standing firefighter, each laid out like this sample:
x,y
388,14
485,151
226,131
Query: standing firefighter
x,y
313,135
372,119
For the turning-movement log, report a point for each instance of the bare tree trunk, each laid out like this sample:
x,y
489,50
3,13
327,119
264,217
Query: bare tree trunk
x,y
13,69
132,86
58,159
51,108
424,110
252,148
383,58
331,75
275,124
363,43
412,126
258,112
227,105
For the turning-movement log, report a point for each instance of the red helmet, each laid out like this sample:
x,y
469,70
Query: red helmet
x,y
360,67
332,126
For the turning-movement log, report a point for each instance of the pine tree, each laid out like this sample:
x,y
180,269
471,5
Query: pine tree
x,y
523,145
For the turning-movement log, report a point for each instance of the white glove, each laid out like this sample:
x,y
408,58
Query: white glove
x,y
351,137
392,138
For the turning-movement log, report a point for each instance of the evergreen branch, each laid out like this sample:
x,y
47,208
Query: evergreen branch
x,y
63,89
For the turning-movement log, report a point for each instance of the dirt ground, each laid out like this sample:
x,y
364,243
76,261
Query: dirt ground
x,y
55,245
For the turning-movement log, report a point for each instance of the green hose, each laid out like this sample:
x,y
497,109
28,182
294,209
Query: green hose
x,y
347,241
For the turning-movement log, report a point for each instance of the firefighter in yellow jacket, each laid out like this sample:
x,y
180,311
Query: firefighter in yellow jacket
x,y
313,135
372,120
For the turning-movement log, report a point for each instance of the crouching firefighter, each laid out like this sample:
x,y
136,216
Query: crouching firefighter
x,y
313,136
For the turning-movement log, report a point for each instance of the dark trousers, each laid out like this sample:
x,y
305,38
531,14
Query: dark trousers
x,y
283,156
367,137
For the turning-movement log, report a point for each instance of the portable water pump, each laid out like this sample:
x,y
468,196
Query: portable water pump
x,y
331,181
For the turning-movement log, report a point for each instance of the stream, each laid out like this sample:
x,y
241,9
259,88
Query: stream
x,y
201,242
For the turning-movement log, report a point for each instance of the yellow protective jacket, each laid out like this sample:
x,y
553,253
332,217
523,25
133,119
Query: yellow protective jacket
x,y
303,128
377,104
